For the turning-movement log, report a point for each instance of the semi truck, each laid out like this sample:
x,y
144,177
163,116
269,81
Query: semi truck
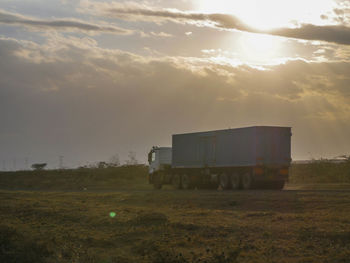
x,y
242,158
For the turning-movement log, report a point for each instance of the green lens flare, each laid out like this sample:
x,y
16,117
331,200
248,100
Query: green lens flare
x,y
112,214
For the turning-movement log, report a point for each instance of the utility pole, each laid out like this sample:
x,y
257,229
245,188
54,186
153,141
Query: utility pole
x,y
61,161
14,164
26,164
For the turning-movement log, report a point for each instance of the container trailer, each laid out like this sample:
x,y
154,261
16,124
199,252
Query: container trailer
x,y
242,158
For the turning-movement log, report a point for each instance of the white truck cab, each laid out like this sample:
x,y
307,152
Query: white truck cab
x,y
159,158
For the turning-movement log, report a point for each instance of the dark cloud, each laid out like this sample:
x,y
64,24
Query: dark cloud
x,y
218,20
337,34
334,33
57,24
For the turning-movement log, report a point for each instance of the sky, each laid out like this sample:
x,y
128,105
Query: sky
x,y
90,79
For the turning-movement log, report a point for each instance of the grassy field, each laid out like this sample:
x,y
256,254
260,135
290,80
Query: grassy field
x,y
175,226
113,178
112,215
320,174
320,171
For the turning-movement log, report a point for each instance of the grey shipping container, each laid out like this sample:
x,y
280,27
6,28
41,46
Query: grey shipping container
x,y
241,147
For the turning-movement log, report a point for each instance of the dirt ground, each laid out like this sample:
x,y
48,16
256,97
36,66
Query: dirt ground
x,y
175,226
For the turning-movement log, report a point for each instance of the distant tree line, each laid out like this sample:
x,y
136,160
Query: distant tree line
x,y
114,161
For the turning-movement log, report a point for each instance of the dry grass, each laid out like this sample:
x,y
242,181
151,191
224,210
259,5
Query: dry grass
x,y
124,177
75,225
320,174
176,226
320,171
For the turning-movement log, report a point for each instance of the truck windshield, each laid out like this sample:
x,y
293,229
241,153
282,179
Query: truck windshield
x,y
151,157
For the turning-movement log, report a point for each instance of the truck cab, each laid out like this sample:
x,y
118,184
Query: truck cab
x,y
159,158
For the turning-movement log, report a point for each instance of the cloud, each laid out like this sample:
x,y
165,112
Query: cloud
x,y
339,34
72,97
156,34
58,24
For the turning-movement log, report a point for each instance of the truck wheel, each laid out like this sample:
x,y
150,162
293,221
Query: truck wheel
x,y
176,181
186,182
157,181
224,181
278,185
235,181
247,181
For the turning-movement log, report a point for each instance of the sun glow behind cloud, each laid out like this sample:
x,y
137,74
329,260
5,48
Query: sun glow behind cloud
x,y
268,14
259,48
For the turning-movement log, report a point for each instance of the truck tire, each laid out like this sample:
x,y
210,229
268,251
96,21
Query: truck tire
x,y
157,181
235,181
186,182
176,181
247,181
277,185
224,181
